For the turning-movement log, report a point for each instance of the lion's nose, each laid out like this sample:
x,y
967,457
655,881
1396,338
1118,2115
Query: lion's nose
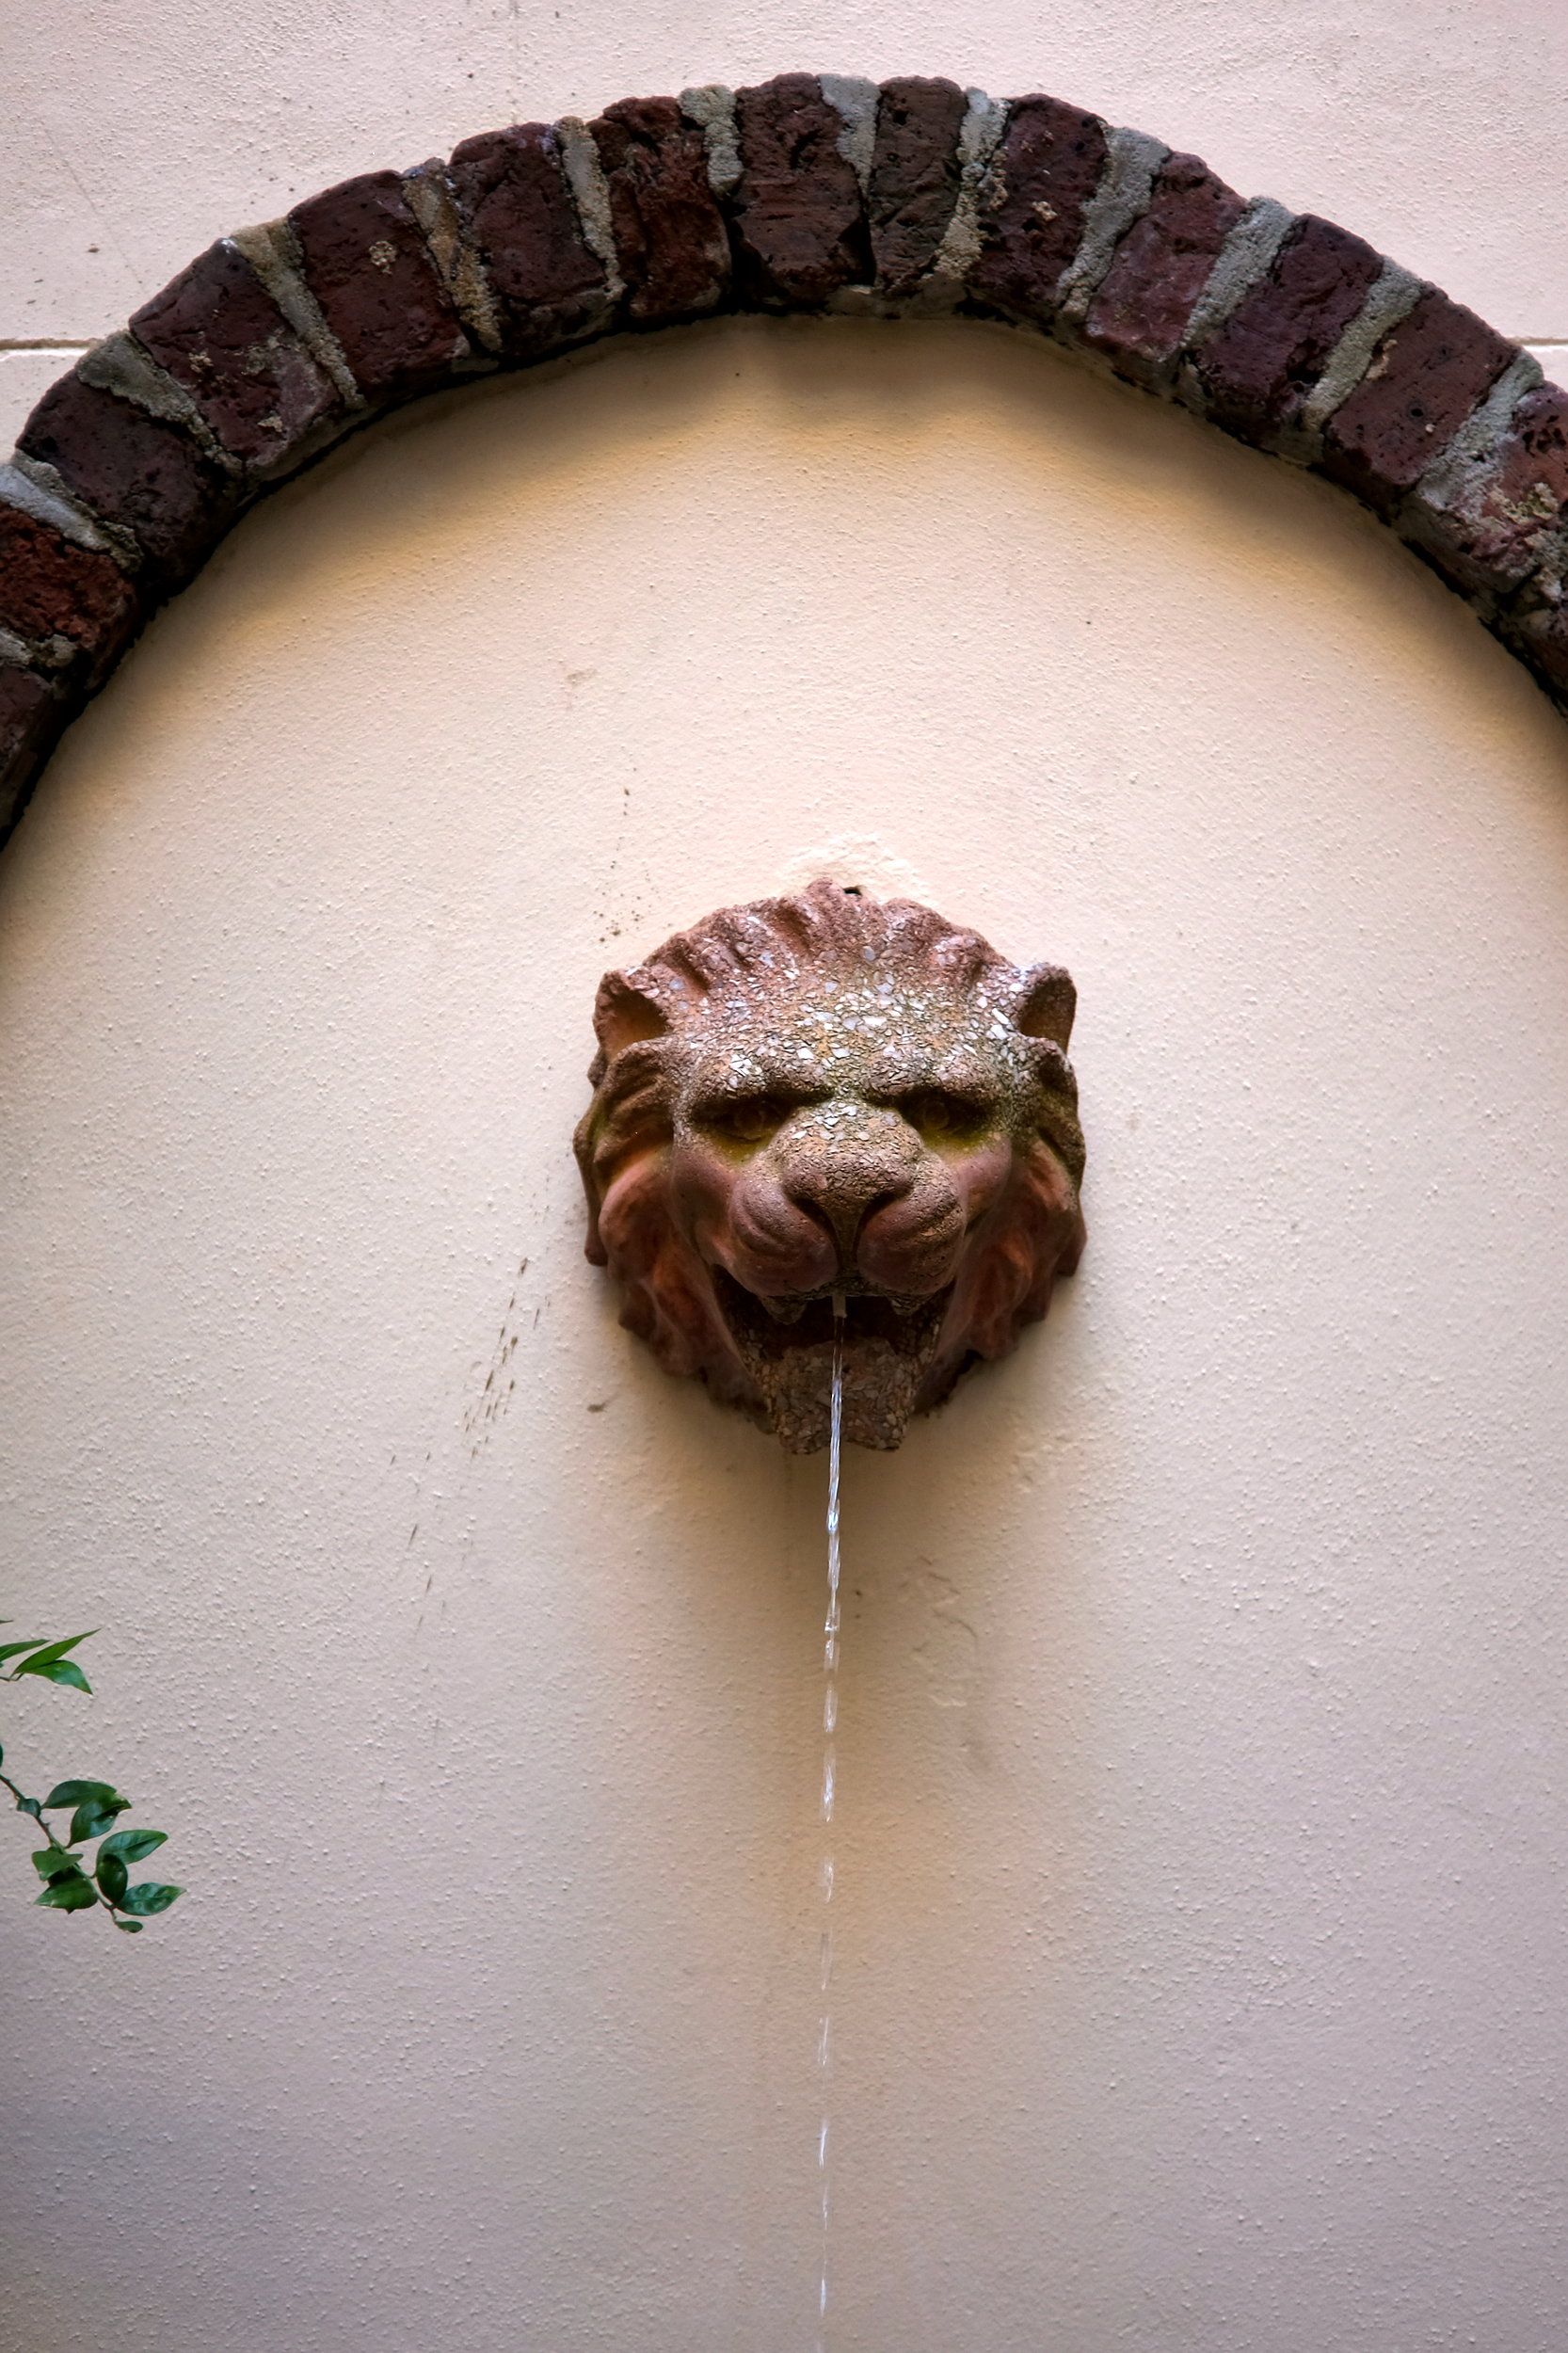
x,y
844,1189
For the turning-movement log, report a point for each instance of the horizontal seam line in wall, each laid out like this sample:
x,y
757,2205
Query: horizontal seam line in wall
x,y
49,343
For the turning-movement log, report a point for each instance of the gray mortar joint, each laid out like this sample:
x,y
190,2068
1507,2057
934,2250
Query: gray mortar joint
x,y
590,193
979,134
427,193
1123,196
1392,295
273,253
37,491
119,365
711,108
854,102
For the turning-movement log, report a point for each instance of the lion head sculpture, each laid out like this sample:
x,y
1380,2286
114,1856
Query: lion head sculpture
x,y
831,1095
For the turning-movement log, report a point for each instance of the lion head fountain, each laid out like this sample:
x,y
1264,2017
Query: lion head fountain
x,y
825,1096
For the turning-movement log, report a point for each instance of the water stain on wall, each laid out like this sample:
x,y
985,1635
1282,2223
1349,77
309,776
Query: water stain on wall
x,y
485,1408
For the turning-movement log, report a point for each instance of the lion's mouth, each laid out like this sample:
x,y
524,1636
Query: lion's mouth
x,y
787,1346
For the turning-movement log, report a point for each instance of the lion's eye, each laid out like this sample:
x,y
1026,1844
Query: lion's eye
x,y
940,1115
749,1119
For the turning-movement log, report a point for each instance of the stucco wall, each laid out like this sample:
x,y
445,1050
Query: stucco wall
x,y
1202,1938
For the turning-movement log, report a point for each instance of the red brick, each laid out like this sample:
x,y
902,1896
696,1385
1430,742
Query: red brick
x,y
669,234
1140,314
1488,531
800,224
914,178
371,274
136,471
1426,376
219,333
1541,641
1257,370
517,209
51,587
32,715
1045,169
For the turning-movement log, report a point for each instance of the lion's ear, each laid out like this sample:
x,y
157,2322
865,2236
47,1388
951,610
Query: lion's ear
x,y
1047,1001
626,1013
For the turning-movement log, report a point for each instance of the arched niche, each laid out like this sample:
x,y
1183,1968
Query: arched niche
x,y
1199,1803
807,194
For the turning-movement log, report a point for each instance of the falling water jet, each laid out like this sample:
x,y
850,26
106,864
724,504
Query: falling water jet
x,y
829,1725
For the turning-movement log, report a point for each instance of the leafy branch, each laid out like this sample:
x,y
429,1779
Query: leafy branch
x,y
74,1881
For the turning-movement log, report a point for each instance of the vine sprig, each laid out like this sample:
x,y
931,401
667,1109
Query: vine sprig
x,y
74,1881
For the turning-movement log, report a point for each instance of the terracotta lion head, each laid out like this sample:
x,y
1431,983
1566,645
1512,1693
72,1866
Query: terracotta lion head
x,y
831,1094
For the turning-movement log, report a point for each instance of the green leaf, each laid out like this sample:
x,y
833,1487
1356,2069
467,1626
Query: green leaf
x,y
14,1650
53,1863
44,1657
78,1792
97,1815
74,1893
58,1671
148,1897
132,1845
132,1928
111,1876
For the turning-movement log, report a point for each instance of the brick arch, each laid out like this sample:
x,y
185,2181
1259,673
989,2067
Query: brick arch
x,y
808,193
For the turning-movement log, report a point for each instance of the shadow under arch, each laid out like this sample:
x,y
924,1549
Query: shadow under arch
x,y
806,194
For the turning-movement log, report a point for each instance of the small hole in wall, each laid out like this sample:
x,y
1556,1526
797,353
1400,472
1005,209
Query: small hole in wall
x,y
853,890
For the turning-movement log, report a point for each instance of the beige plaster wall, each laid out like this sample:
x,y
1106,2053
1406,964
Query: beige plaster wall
x,y
1202,1933
1202,1922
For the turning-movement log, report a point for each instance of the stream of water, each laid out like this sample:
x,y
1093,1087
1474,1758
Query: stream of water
x,y
829,1774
